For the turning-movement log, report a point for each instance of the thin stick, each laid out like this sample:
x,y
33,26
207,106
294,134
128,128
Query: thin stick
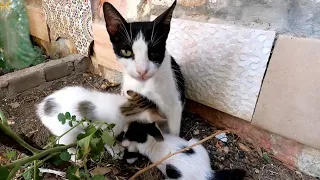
x,y
172,154
59,173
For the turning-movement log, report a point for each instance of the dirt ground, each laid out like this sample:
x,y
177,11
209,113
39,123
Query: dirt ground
x,y
235,153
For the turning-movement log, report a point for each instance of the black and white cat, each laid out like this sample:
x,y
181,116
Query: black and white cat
x,y
148,68
189,165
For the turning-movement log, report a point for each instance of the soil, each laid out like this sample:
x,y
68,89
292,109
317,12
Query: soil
x,y
235,153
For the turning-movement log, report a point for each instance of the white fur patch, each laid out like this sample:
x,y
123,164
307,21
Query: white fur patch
x,y
125,143
131,160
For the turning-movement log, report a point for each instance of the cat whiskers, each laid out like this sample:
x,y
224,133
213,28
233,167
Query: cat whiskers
x,y
158,40
126,35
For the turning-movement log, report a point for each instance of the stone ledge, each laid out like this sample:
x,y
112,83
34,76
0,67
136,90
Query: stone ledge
x,y
31,77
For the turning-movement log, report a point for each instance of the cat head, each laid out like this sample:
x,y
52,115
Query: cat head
x,y
138,132
139,46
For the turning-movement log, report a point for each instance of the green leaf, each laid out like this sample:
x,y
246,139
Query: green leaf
x,y
65,156
11,155
4,173
107,138
57,160
111,126
73,118
73,173
97,148
85,144
267,158
27,175
98,177
82,175
62,118
70,124
68,115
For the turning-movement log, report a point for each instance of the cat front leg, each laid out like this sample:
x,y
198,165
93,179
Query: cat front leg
x,y
174,120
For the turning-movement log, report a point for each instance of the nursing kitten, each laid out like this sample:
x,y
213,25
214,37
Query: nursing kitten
x,y
148,68
188,165
94,105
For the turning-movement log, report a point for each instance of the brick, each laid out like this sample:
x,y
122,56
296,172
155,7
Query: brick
x,y
295,102
57,69
25,79
81,65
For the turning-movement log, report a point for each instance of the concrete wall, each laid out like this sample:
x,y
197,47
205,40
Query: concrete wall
x,y
294,17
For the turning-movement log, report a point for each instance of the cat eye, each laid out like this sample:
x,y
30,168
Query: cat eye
x,y
126,53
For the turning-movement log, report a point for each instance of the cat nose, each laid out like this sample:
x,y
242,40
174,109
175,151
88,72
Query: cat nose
x,y
142,73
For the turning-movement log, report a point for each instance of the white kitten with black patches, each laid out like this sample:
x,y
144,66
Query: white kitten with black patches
x,y
148,67
189,165
93,105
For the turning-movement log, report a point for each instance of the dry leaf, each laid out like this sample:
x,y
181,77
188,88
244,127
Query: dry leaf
x,y
244,147
100,171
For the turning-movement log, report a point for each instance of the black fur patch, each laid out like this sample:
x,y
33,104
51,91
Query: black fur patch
x,y
86,109
49,106
189,151
130,155
138,132
230,174
179,80
172,172
120,137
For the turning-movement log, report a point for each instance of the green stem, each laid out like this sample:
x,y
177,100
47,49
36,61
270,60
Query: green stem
x,y
39,155
35,170
39,163
7,130
64,134
13,172
86,169
3,118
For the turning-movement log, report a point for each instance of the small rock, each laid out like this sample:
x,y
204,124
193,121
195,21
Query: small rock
x,y
222,137
196,132
242,155
226,149
103,86
14,105
221,166
257,171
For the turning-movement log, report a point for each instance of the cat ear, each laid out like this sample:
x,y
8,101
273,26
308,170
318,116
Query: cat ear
x,y
165,18
155,132
114,20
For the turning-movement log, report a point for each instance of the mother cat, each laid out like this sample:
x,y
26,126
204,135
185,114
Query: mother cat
x,y
148,68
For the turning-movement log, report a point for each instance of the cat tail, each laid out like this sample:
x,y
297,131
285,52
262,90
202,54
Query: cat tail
x,y
230,174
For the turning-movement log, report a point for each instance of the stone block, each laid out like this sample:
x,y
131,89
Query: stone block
x,y
25,79
56,69
289,100
81,65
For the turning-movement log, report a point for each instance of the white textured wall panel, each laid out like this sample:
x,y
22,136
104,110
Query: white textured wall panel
x,y
223,65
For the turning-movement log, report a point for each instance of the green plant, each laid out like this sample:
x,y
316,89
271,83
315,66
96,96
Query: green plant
x,y
90,144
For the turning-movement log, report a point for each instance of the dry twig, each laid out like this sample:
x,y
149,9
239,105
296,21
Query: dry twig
x,y
172,154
